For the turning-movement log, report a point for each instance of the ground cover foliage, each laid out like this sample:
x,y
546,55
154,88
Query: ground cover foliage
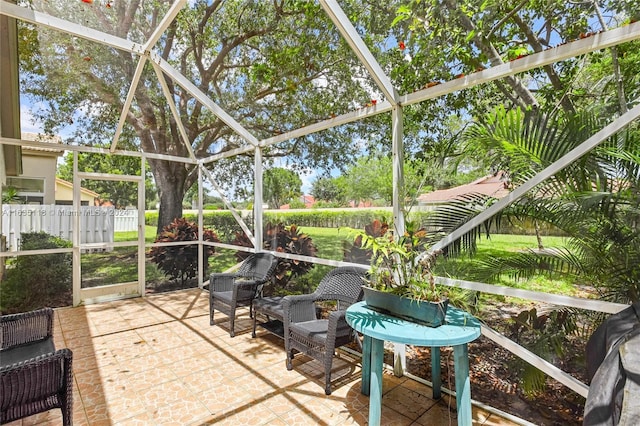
x,y
32,282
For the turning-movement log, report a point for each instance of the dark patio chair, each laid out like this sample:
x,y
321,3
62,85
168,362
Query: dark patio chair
x,y
228,291
271,308
317,337
34,376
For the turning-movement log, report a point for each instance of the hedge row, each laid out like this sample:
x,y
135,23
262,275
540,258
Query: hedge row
x,y
226,226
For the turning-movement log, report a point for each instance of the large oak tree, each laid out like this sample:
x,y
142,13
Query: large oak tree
x,y
274,66
278,65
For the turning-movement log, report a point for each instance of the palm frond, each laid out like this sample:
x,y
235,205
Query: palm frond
x,y
529,263
453,214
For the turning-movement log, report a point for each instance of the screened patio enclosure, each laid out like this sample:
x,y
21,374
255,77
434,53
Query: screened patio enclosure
x,y
222,138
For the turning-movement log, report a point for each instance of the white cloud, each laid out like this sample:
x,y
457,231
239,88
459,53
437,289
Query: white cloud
x,y
28,123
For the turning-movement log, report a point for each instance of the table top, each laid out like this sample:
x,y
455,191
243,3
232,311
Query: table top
x,y
460,327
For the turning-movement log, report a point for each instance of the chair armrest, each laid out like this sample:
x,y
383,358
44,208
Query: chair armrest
x,y
36,378
336,318
299,308
222,281
338,329
26,327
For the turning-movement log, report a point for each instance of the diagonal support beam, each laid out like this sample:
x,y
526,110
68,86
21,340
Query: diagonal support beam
x,y
62,25
175,8
128,101
174,110
361,50
573,155
42,19
201,97
533,359
569,50
227,203
313,128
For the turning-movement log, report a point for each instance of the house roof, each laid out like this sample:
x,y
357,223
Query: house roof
x,y
492,185
36,137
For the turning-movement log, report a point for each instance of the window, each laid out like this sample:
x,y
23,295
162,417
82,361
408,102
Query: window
x,y
30,190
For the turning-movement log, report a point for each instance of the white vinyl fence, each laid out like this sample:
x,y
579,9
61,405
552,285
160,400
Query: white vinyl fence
x,y
97,224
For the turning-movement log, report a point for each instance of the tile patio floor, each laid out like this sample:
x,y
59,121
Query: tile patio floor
x,y
157,361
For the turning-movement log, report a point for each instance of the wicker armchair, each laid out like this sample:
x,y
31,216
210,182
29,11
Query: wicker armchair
x,y
316,337
229,291
34,377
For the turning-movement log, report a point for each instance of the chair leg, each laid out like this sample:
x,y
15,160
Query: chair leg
x,y
232,321
290,360
327,376
210,307
255,320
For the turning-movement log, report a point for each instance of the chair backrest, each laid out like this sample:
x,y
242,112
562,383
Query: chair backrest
x,y
343,284
259,266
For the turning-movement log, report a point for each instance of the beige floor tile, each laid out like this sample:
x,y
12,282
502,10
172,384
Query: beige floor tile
x,y
141,419
408,402
143,380
313,411
167,393
204,380
224,397
179,413
157,361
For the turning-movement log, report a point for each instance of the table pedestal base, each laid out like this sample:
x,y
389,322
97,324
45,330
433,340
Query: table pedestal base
x,y
372,378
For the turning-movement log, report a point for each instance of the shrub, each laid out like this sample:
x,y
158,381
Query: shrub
x,y
297,204
36,281
181,262
353,251
283,239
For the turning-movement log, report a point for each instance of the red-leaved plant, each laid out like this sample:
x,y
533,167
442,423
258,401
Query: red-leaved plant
x,y
284,239
181,262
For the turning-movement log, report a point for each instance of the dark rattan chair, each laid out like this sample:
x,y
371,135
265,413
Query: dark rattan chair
x,y
270,308
316,337
34,377
227,291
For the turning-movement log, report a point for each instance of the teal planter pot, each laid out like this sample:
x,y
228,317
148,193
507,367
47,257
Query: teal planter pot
x,y
427,313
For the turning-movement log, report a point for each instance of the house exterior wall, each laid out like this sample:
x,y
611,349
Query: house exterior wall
x,y
64,195
41,167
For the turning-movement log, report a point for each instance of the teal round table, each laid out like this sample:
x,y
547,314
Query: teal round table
x,y
459,329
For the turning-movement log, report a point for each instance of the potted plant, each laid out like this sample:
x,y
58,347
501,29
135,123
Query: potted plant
x,y
401,281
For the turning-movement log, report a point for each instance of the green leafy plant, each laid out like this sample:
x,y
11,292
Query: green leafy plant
x,y
354,252
36,281
402,265
181,262
544,333
10,195
284,239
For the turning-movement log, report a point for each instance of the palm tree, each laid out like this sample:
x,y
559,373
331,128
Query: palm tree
x,y
594,201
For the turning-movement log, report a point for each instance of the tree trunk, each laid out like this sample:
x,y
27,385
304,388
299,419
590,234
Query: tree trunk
x,y
554,78
170,180
536,226
525,97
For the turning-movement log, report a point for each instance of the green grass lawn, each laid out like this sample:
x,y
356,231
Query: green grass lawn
x,y
502,245
120,265
149,235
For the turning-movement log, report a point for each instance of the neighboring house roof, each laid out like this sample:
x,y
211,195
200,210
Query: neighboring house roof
x,y
308,200
492,185
69,185
36,137
360,204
